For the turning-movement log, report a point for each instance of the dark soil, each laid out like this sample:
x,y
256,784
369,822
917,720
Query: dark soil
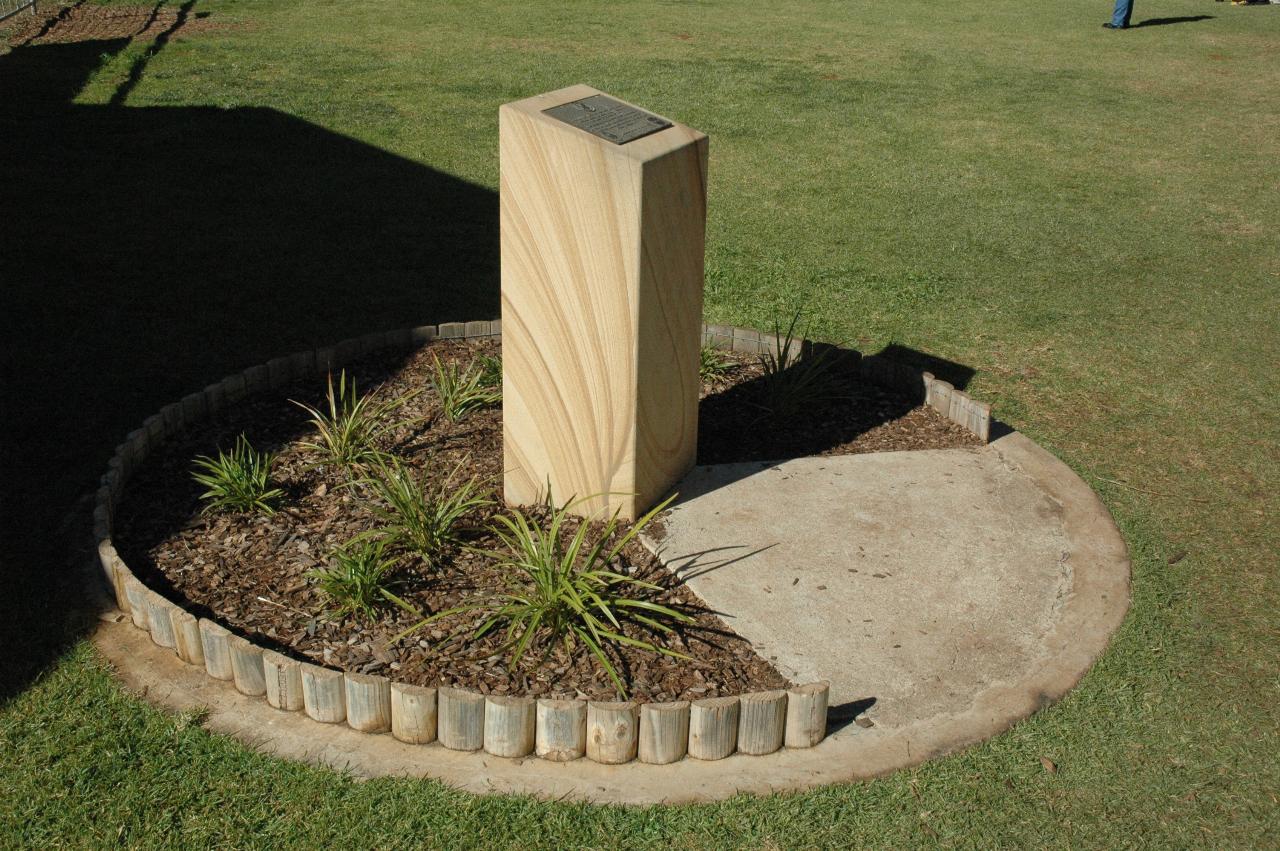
x,y
249,572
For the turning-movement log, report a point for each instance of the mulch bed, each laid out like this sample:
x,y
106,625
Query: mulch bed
x,y
249,572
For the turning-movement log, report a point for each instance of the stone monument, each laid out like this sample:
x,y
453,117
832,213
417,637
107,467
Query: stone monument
x,y
603,221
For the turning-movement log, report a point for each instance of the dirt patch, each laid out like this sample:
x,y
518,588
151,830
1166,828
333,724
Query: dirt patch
x,y
251,572
87,22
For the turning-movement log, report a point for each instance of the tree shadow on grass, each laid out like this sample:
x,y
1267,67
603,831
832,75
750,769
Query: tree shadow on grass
x,y
147,252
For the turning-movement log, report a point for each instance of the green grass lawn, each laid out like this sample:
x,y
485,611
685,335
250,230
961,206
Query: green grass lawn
x,y
1088,220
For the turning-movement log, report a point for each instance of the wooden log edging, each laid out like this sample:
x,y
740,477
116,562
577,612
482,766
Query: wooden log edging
x,y
510,727
920,385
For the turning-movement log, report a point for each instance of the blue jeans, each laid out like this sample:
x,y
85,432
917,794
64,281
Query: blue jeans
x,y
1124,11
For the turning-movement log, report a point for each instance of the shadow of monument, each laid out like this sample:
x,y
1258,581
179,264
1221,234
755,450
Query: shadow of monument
x,y
736,426
150,251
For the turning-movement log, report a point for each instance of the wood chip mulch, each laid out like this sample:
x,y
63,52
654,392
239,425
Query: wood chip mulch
x,y
250,572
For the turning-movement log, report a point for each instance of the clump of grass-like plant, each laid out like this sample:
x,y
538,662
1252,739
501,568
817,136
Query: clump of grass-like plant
x,y
421,517
796,377
462,390
490,370
568,594
349,431
239,480
355,580
712,364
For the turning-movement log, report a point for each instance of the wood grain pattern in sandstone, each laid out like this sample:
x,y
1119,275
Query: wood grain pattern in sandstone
x,y
602,269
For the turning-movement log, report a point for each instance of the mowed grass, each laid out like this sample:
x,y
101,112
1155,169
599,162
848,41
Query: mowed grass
x,y
1088,220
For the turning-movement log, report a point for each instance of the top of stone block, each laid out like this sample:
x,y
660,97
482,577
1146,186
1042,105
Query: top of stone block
x,y
643,149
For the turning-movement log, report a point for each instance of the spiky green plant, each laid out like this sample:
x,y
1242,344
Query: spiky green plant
x,y
355,580
348,432
712,364
418,516
461,390
796,377
490,370
237,481
568,594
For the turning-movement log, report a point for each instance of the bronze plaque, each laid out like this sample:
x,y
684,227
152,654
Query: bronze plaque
x,y
609,119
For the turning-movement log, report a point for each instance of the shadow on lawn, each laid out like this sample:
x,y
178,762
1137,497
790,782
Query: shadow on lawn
x,y
1159,22
150,251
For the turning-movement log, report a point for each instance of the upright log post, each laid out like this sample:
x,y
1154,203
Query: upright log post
x,y
664,732
460,715
807,714
612,731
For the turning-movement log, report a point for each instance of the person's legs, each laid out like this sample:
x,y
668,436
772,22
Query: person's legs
x,y
1123,12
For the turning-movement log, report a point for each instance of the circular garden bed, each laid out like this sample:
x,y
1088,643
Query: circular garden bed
x,y
341,510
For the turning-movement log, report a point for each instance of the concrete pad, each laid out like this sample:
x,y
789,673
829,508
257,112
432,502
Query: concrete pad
x,y
1002,579
911,579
